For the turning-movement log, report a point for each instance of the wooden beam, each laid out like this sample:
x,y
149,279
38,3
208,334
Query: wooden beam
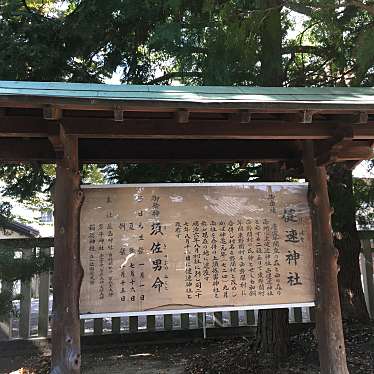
x,y
148,150
204,129
170,129
26,150
331,347
34,127
68,273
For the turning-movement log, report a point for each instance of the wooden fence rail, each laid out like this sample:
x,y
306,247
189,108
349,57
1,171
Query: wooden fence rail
x,y
32,317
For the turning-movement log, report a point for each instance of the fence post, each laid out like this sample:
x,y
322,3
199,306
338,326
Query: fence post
x,y
367,272
25,302
98,326
168,322
298,315
116,325
185,321
82,327
151,323
43,317
6,320
133,324
234,318
251,320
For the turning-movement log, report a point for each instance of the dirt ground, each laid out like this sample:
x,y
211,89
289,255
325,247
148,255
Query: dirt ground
x,y
213,356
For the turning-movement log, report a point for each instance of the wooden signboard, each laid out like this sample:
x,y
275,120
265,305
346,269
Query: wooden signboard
x,y
148,248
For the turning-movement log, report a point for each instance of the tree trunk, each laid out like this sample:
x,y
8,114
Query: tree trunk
x,y
347,241
272,336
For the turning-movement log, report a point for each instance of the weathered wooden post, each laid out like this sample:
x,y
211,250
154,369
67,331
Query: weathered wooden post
x,y
329,327
66,356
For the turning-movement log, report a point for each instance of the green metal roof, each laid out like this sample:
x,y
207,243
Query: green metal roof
x,y
197,94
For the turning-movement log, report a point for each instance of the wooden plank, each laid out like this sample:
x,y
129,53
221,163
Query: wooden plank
x,y
66,353
329,326
16,244
218,321
133,324
298,315
151,323
234,318
168,322
25,303
44,282
185,321
368,280
116,325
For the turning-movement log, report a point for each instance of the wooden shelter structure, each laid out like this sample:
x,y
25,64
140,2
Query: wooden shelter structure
x,y
302,128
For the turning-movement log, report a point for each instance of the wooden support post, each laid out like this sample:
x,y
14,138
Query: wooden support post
x,y
43,319
331,347
68,272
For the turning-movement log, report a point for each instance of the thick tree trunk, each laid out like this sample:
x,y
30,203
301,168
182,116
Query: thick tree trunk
x,y
272,325
272,336
347,241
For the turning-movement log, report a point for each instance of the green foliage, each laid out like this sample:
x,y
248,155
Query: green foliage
x,y
364,199
153,173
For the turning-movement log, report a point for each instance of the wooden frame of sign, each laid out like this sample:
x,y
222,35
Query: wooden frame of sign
x,y
158,248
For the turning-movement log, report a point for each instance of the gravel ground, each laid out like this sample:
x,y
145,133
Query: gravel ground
x,y
218,356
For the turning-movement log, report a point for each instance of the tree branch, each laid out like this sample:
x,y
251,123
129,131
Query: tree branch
x,y
359,4
299,8
309,49
175,74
